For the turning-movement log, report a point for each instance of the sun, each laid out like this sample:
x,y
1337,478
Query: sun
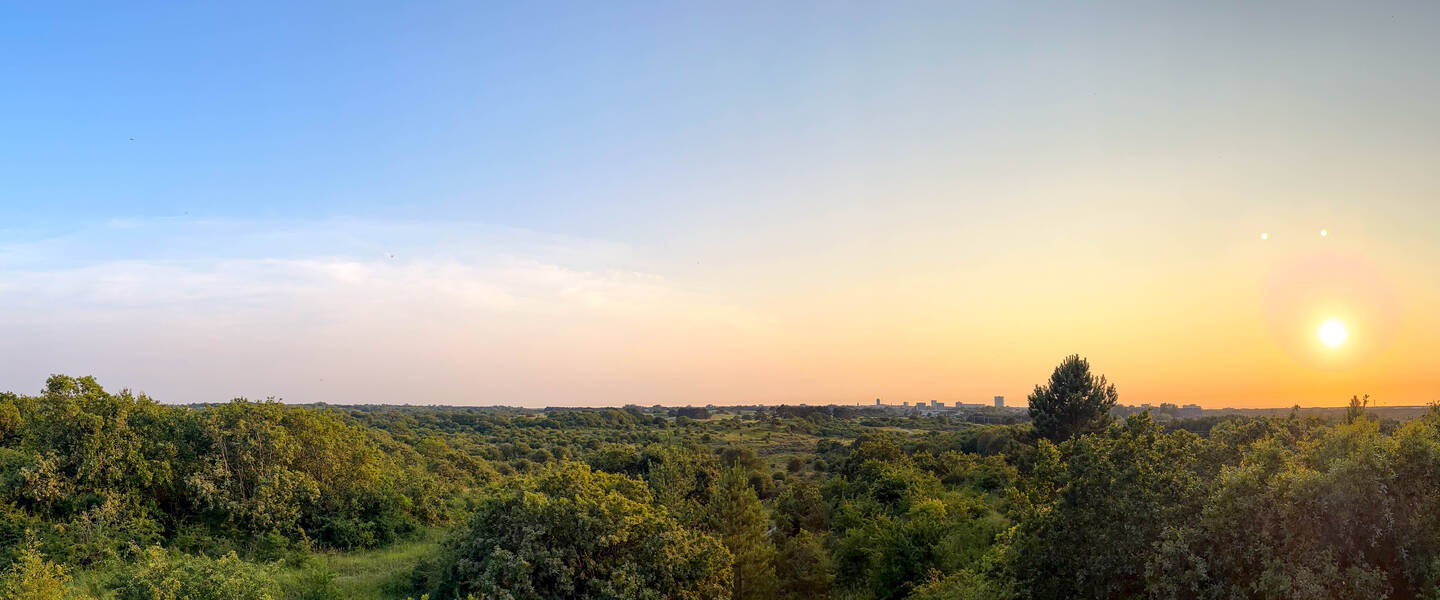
x,y
1332,333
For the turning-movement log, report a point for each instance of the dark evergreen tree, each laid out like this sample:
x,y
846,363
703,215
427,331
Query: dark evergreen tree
x,y
740,520
1073,402
803,567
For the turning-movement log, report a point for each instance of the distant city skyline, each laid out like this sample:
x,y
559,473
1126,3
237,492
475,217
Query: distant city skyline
x,y
1224,204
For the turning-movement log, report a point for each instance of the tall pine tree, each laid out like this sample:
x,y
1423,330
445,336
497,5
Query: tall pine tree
x,y
737,515
1073,402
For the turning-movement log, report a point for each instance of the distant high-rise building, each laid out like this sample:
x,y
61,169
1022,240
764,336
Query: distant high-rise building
x,y
905,403
934,404
999,402
877,402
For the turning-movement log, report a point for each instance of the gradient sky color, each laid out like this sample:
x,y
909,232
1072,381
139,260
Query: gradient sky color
x,y
687,203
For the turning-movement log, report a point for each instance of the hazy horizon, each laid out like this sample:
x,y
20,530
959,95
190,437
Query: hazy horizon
x,y
721,204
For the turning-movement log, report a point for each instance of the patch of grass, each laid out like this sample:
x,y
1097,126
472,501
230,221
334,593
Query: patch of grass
x,y
92,582
361,575
371,573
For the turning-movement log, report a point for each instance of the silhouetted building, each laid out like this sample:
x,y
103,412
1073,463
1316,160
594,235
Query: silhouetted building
x,y
877,402
999,402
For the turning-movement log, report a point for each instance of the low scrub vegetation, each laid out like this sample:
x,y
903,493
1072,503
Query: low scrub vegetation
x,y
115,496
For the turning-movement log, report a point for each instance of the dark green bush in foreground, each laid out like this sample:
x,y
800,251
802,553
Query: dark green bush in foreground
x,y
569,532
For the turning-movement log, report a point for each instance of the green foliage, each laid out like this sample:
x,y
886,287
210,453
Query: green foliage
x,y
682,479
888,555
1086,525
1348,513
962,585
9,417
801,507
803,567
115,470
315,582
756,470
306,475
166,575
569,532
316,502
1356,409
896,523
738,517
617,458
1073,402
31,577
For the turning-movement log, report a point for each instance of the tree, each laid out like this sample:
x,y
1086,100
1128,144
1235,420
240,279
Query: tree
x,y
1348,513
739,518
1087,525
757,470
9,417
569,532
116,470
683,480
1074,402
32,577
1357,408
800,507
803,567
962,585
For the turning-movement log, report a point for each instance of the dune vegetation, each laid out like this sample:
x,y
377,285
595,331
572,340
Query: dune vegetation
x,y
114,495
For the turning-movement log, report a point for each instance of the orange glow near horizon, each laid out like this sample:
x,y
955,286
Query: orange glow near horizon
x,y
1238,322
1271,326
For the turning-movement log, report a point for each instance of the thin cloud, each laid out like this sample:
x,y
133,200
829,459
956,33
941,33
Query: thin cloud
x,y
276,311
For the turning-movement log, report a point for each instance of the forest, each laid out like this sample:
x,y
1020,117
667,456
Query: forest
x,y
113,495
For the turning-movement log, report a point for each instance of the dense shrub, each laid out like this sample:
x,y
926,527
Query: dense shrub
x,y
32,577
569,532
119,469
164,575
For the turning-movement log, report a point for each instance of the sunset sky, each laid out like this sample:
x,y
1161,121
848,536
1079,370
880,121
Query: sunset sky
x,y
688,203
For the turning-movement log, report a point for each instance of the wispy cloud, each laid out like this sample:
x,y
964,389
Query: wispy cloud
x,y
304,295
128,264
505,284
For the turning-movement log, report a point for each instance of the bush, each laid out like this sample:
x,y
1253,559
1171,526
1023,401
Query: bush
x,y
162,575
963,585
315,582
569,532
111,470
32,577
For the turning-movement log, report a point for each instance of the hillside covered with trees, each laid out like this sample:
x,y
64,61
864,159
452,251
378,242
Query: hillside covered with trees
x,y
113,495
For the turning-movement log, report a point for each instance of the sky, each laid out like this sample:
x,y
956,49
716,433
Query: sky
x,y
564,204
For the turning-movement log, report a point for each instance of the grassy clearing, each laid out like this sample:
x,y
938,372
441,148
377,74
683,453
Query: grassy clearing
x,y
363,575
373,573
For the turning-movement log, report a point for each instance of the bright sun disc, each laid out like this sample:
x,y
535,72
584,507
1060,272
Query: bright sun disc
x,y
1332,333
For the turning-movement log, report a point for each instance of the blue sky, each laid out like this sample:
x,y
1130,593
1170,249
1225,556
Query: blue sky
x,y
777,180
